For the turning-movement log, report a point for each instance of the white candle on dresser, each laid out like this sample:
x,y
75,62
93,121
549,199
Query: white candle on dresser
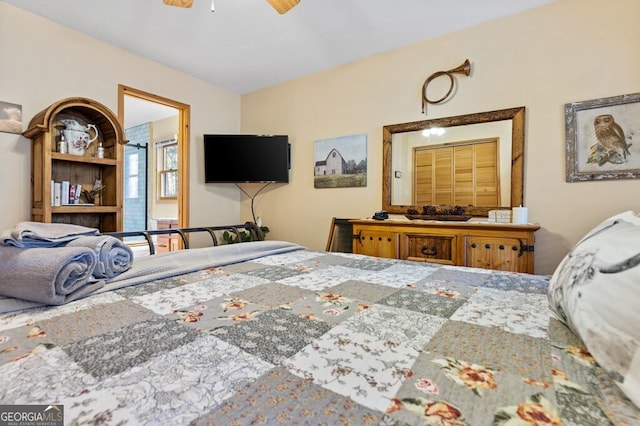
x,y
520,215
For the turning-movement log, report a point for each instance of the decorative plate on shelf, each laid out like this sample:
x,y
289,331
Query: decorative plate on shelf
x,y
447,217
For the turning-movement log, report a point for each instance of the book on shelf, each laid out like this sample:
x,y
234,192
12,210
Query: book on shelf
x,y
64,192
72,194
56,193
76,198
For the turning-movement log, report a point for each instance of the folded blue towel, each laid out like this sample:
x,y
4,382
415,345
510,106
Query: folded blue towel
x,y
53,276
114,257
38,234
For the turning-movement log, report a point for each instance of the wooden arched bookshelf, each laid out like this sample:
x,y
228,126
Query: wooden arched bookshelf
x,y
103,210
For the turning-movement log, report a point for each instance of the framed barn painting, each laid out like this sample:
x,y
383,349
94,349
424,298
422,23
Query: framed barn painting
x,y
602,138
340,162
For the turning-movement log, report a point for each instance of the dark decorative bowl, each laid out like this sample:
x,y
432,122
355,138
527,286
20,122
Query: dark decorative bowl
x,y
443,217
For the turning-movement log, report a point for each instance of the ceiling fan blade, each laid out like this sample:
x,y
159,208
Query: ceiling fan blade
x,y
179,3
283,6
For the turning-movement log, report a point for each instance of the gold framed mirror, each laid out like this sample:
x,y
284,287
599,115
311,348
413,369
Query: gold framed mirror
x,y
402,176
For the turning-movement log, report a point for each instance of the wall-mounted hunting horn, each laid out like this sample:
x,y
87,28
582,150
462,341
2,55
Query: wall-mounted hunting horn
x,y
464,68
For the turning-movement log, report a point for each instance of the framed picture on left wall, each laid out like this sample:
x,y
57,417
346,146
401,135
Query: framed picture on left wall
x,y
10,117
340,162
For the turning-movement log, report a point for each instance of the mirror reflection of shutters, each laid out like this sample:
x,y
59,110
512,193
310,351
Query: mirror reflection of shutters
x,y
465,173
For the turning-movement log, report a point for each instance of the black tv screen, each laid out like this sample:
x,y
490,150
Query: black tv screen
x,y
246,158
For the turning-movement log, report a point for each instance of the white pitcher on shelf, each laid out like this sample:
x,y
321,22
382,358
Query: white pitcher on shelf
x,y
78,137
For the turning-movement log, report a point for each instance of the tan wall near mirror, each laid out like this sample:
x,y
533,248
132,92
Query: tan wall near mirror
x,y
508,128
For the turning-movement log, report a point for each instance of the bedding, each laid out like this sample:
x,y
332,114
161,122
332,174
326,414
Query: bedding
x,y
303,337
596,291
52,276
39,234
113,256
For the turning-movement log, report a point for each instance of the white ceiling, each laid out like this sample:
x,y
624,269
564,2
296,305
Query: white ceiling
x,y
245,45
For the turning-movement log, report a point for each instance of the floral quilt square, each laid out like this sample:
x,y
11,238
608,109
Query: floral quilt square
x,y
272,295
167,300
329,307
518,282
401,274
441,305
219,312
454,276
329,276
520,313
55,383
100,356
364,368
101,319
277,335
175,387
279,397
29,316
395,325
273,273
461,283
445,390
518,354
369,264
360,290
152,287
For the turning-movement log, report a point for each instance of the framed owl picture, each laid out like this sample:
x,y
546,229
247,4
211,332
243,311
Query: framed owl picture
x,y
603,138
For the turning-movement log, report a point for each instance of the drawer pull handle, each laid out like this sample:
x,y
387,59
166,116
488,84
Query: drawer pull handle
x,y
515,248
389,239
487,246
501,247
433,251
473,245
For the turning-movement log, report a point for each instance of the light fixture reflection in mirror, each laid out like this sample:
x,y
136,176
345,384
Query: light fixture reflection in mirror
x,y
506,127
436,131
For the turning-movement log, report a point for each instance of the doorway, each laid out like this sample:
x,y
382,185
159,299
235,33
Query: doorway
x,y
140,112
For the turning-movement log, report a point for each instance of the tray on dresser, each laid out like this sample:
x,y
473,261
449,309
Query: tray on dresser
x,y
444,217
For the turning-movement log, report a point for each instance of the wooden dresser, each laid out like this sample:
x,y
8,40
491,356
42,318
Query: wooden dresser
x,y
169,242
499,246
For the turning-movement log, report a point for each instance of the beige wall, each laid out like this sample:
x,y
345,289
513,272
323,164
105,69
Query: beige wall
x,y
570,50
42,62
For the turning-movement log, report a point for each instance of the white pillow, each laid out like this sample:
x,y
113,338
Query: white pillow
x,y
596,291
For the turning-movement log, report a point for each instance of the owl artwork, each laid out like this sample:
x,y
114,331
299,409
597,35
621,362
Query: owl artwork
x,y
612,145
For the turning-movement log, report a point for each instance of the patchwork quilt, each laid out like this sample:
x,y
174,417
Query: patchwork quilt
x,y
306,337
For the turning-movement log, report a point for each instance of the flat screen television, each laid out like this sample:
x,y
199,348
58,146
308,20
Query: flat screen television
x,y
246,158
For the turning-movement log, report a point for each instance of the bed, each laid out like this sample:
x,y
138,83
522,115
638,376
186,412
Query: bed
x,y
269,332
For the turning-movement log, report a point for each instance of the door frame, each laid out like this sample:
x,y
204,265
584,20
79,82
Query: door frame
x,y
184,114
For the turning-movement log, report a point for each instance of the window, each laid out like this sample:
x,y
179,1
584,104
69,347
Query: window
x,y
132,176
167,160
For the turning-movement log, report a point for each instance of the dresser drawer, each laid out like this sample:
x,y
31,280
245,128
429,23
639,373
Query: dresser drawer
x,y
501,254
430,248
